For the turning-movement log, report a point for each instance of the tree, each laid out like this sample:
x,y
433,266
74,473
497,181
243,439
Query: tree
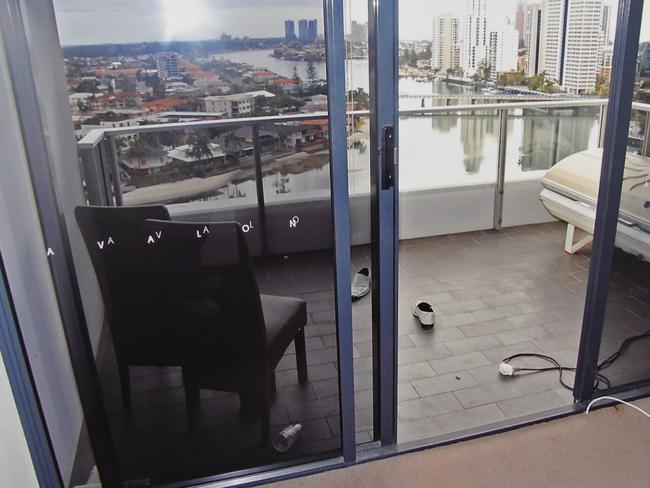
x,y
125,83
602,86
512,78
484,70
541,83
84,106
199,146
87,86
157,85
296,78
311,72
360,98
232,146
138,148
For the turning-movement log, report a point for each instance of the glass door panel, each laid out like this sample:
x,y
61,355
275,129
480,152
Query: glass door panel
x,y
623,357
485,269
216,344
358,99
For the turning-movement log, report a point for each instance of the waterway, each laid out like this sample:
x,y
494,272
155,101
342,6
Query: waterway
x,y
442,150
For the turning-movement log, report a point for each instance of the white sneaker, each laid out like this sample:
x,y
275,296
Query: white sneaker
x,y
424,313
361,283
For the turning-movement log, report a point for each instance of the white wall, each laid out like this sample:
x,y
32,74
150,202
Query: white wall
x,y
23,248
16,468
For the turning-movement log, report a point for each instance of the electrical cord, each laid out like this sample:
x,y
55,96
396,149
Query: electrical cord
x,y
506,369
639,409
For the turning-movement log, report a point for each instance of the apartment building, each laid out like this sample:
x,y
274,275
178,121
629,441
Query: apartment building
x,y
502,51
572,42
475,37
533,38
445,50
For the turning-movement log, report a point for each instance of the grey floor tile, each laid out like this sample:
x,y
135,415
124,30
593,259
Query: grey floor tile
x,y
485,328
485,394
526,404
427,407
443,383
495,356
435,336
522,335
316,409
459,363
315,430
490,374
559,342
473,344
326,388
405,391
450,422
506,299
532,319
423,353
452,308
414,371
495,313
455,320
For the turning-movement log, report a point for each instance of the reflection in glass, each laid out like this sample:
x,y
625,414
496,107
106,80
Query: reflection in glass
x,y
214,342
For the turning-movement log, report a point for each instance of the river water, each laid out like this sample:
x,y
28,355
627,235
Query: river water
x,y
441,150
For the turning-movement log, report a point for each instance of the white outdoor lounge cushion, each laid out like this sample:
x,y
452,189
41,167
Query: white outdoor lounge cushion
x,y
571,191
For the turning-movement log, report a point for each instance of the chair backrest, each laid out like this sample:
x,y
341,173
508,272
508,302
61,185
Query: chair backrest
x,y
207,275
116,241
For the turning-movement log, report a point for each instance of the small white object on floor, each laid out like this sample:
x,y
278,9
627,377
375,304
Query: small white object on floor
x,y
287,438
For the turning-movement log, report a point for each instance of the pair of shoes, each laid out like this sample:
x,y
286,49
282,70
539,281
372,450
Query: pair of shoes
x,y
423,311
361,284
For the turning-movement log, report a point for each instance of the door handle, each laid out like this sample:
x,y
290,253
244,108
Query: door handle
x,y
388,158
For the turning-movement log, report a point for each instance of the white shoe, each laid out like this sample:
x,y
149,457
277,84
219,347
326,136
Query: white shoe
x,y
361,283
424,313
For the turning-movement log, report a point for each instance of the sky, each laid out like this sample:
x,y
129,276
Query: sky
x,y
126,21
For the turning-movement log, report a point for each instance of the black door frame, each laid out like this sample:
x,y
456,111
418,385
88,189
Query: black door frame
x,y
609,194
383,54
52,222
383,47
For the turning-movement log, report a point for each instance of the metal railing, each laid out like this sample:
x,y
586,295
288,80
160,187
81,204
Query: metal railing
x,y
99,156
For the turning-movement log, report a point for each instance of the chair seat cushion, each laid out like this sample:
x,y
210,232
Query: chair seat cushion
x,y
283,316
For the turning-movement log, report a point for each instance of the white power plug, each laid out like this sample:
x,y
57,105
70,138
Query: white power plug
x,y
506,370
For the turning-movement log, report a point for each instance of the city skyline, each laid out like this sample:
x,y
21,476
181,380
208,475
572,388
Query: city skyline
x,y
121,21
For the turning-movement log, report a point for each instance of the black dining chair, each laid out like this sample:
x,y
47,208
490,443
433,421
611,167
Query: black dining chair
x,y
232,337
138,320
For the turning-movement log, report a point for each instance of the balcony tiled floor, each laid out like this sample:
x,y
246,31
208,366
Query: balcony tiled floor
x,y
495,294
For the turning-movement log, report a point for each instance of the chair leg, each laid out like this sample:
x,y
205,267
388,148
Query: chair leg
x,y
265,420
248,403
301,356
125,385
192,394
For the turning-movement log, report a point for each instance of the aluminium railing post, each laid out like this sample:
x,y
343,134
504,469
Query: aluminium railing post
x,y
501,170
93,177
603,122
115,170
104,166
261,204
645,147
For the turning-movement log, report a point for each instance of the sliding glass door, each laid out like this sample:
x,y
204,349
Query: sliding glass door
x,y
204,229
254,274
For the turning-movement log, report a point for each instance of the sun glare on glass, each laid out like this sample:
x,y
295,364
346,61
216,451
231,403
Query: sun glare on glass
x,y
182,17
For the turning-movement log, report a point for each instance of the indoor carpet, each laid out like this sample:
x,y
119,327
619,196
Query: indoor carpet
x,y
609,447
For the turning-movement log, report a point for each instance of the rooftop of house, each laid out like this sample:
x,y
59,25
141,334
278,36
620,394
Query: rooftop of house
x,y
180,153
